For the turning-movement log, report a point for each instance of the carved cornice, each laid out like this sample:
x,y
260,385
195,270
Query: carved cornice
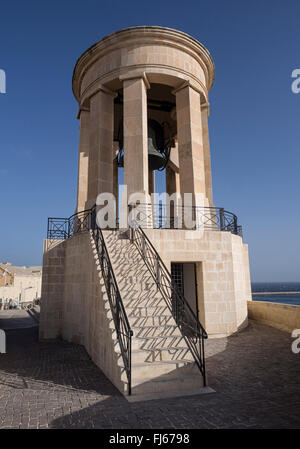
x,y
134,76
96,88
82,109
143,35
186,84
205,107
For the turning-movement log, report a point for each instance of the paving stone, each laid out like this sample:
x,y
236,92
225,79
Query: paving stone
x,y
54,384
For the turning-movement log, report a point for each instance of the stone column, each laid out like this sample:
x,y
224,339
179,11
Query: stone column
x,y
116,176
101,145
135,135
172,181
190,141
83,159
206,148
151,181
116,172
172,186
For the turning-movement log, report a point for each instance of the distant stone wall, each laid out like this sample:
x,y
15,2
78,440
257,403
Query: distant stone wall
x,y
6,278
24,289
282,316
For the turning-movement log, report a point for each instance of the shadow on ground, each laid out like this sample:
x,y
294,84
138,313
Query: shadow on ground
x,y
54,384
18,319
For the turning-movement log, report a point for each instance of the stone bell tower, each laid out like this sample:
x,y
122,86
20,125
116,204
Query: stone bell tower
x,y
124,82
143,299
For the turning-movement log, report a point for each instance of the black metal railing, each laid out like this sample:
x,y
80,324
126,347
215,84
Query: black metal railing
x,y
63,228
157,216
191,329
152,216
164,216
123,330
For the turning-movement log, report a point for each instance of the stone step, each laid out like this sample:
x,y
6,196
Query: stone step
x,y
129,254
120,245
155,331
147,311
140,371
179,354
163,318
131,262
178,380
135,301
132,298
161,360
164,341
140,294
153,342
141,287
155,320
140,322
141,311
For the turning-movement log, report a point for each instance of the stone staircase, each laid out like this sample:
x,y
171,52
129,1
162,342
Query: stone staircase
x,y
161,359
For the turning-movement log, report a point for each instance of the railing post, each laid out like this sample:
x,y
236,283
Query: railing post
x,y
143,247
160,216
102,255
131,234
203,362
68,227
157,272
93,218
130,218
222,222
118,314
235,225
129,363
108,279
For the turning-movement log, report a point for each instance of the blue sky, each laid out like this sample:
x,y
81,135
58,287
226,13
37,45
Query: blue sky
x,y
254,122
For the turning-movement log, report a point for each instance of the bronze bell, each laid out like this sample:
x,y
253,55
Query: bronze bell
x,y
156,159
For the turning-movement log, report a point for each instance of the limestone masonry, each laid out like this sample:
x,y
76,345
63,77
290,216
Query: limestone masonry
x,y
143,97
19,284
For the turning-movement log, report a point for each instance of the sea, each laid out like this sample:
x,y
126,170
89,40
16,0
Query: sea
x,y
279,288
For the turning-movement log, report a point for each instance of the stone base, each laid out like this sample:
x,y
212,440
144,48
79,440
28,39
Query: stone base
x,y
223,274
74,304
172,394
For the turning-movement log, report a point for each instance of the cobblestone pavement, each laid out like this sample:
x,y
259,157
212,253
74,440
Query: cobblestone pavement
x,y
54,384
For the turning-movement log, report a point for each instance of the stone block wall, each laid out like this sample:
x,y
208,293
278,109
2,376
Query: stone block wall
x,y
52,290
76,308
241,275
222,274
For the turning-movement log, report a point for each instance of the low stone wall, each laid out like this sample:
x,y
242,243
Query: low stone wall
x,y
282,316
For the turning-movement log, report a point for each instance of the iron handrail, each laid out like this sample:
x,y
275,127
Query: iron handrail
x,y
121,322
152,215
64,228
171,216
191,329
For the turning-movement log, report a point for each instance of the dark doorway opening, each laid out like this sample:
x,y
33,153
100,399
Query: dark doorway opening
x,y
184,275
